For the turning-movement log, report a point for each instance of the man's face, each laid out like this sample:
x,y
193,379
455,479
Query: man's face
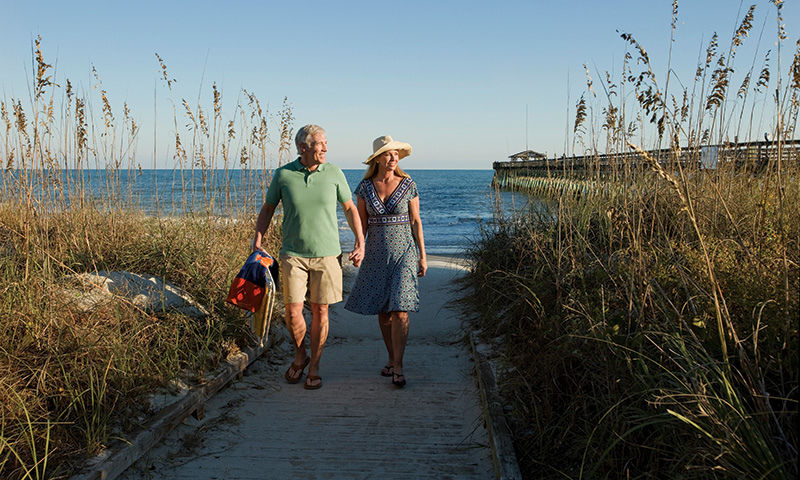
x,y
315,154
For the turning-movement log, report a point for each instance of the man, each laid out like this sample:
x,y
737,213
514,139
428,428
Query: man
x,y
309,258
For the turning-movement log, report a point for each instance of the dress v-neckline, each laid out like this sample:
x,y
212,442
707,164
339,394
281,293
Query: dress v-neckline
x,y
388,197
391,201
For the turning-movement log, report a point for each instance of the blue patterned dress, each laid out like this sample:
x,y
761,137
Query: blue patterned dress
x,y
387,278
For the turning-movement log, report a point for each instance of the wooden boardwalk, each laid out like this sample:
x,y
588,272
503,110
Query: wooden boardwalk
x,y
357,425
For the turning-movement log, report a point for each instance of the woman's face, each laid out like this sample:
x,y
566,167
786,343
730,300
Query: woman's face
x,y
388,160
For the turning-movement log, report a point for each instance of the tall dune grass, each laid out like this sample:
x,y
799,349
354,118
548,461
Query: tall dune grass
x,y
72,381
650,330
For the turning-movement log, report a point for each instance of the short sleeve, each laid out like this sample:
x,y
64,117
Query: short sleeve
x,y
361,190
274,191
412,191
342,188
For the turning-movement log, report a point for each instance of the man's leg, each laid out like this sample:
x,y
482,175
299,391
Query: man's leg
x,y
296,324
294,277
325,288
319,334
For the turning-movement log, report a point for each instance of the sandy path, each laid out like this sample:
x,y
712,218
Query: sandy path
x,y
358,425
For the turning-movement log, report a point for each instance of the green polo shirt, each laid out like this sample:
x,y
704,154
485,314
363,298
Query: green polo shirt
x,y
310,227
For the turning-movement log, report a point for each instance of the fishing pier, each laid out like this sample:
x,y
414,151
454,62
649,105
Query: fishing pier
x,y
533,172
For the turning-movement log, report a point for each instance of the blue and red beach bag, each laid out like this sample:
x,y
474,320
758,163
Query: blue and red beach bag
x,y
257,276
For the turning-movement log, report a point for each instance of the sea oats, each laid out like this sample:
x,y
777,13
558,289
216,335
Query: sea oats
x,y
744,87
781,26
794,69
720,78
763,77
190,115
711,51
217,101
243,157
164,72
744,27
21,121
685,106
4,116
580,116
203,122
43,80
610,124
589,81
128,117
107,114
80,126
180,153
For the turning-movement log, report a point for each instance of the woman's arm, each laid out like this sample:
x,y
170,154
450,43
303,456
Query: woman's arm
x,y
416,232
363,215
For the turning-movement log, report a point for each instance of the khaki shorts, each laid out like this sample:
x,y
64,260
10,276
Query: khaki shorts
x,y
321,278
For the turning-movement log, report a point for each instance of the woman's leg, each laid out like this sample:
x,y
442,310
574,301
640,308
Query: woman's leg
x,y
385,322
399,335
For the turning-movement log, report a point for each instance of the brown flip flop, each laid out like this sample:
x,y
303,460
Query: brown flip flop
x,y
308,386
296,368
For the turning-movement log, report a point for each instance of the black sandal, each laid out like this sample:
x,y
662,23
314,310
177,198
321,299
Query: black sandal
x,y
398,379
387,371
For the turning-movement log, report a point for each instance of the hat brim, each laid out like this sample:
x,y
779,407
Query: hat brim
x,y
403,149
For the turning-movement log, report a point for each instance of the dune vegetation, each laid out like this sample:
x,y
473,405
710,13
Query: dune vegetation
x,y
73,380
648,327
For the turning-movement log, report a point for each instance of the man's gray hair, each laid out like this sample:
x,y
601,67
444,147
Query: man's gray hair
x,y
304,133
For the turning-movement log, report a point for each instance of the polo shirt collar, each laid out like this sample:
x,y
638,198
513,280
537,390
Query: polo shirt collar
x,y
298,165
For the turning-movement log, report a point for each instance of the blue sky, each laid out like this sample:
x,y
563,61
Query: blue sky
x,y
465,83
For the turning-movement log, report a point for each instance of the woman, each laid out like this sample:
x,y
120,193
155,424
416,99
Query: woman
x,y
386,284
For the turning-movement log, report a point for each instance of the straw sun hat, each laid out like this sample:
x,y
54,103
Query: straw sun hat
x,y
384,144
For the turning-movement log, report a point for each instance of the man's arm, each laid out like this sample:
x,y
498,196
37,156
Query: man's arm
x,y
354,220
262,224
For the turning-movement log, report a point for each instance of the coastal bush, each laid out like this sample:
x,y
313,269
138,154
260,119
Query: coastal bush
x,y
649,329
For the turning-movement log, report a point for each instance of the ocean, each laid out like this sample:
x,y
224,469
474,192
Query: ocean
x,y
453,203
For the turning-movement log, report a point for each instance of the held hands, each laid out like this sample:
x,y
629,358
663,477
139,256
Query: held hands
x,y
357,255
